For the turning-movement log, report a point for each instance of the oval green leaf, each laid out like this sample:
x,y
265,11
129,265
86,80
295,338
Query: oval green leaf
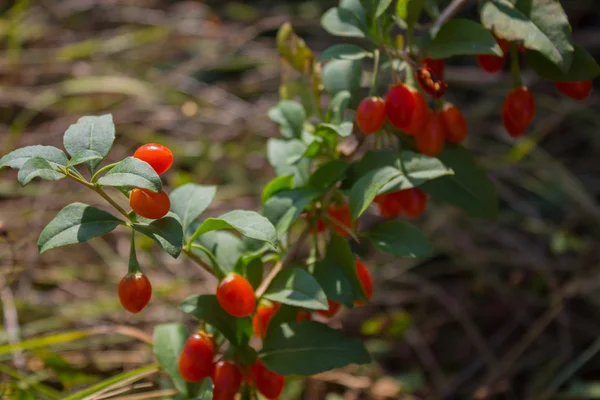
x,y
90,133
366,188
248,223
15,159
38,167
189,201
462,37
166,231
296,287
290,116
276,185
400,239
344,52
583,66
132,173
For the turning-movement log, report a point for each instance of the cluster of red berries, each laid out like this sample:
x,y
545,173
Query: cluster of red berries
x,y
411,202
135,289
144,202
518,109
196,363
339,216
407,109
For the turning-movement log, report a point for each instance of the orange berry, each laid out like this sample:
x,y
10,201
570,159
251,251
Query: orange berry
x,y
149,204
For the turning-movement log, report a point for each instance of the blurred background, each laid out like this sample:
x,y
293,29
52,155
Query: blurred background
x,y
505,309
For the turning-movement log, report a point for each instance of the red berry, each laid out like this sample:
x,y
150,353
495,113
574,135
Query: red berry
x,y
318,225
303,316
236,295
370,115
389,207
431,83
365,279
334,307
456,124
262,317
149,204
227,379
400,106
135,291
435,65
413,201
493,64
268,383
195,360
420,114
341,214
579,90
158,156
431,140
518,111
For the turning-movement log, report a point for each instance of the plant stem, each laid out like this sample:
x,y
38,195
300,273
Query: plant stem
x,y
515,71
134,265
211,257
197,260
105,168
375,73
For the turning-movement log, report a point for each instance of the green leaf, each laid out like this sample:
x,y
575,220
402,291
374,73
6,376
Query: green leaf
x,y
166,231
310,347
462,37
38,167
285,314
280,152
248,223
76,223
339,75
189,201
583,66
224,245
15,159
132,173
469,188
90,133
207,308
382,6
409,10
339,252
540,25
285,207
399,239
328,175
252,270
334,282
365,189
290,116
339,103
277,185
296,287
344,129
344,52
340,21
84,156
168,342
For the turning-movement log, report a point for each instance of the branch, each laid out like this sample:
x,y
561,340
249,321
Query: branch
x,y
449,12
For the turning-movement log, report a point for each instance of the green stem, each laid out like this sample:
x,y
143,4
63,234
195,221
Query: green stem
x,y
375,73
211,257
515,71
134,265
199,261
105,168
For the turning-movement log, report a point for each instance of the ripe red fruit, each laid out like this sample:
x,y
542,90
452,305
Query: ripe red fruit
x,y
334,307
389,207
227,379
431,140
399,106
262,317
412,201
579,90
431,83
148,204
518,111
365,279
158,156
195,360
493,64
303,316
435,65
341,214
420,114
135,292
236,295
456,124
268,383
370,115
318,225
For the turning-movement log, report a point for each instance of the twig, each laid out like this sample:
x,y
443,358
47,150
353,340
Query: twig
x,y
451,10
